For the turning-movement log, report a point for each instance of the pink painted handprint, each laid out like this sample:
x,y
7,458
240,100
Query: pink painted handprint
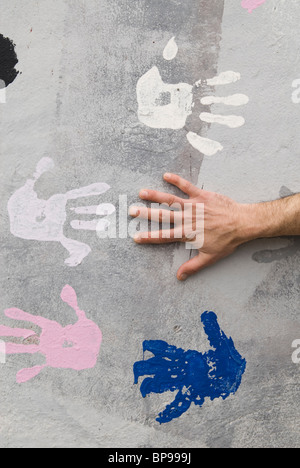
x,y
250,5
73,347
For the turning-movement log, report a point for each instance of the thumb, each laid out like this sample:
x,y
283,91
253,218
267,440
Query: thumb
x,y
194,265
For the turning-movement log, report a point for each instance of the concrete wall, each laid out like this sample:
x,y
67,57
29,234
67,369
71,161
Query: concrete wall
x,y
75,101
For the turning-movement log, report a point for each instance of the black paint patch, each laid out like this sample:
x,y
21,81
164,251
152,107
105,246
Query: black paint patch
x,y
8,61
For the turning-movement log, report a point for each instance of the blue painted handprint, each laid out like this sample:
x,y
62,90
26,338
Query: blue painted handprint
x,y
214,374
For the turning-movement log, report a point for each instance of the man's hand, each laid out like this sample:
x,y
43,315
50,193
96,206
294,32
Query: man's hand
x,y
227,224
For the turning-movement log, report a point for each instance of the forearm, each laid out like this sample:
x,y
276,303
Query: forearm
x,y
272,219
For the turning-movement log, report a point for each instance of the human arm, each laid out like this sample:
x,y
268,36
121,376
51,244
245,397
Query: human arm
x,y
227,224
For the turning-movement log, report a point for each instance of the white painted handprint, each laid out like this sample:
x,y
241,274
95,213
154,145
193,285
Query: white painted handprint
x,y
43,220
162,105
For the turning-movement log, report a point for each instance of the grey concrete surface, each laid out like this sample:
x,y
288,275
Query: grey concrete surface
x,y
75,102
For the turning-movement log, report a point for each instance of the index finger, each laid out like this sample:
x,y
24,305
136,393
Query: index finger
x,y
183,184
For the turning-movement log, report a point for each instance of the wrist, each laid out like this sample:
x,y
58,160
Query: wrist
x,y
255,222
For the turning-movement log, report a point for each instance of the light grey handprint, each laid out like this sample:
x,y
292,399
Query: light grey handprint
x,y
32,218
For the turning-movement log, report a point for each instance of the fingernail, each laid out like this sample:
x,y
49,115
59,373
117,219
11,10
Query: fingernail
x,y
183,277
144,193
137,237
134,211
167,176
